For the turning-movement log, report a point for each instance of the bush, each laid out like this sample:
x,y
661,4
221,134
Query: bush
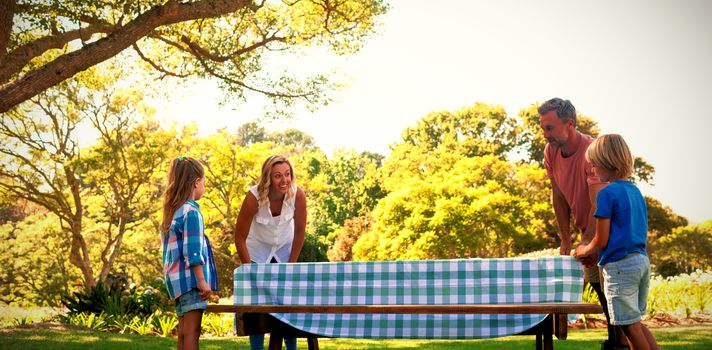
x,y
117,300
165,324
217,325
683,295
87,319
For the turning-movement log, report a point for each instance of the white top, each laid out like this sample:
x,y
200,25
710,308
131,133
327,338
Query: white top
x,y
271,236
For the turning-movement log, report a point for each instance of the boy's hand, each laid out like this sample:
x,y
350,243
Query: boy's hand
x,y
580,252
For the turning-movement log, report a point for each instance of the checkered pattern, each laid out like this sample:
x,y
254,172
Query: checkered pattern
x,y
427,282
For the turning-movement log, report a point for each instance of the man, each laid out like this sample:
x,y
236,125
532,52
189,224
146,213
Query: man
x,y
574,188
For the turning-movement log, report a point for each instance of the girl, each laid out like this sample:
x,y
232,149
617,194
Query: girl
x,y
271,224
188,265
621,236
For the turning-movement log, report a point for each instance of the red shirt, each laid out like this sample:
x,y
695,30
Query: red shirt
x,y
573,175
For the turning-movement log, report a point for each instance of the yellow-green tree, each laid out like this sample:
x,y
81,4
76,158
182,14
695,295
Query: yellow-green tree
x,y
686,249
442,138
110,182
43,43
481,206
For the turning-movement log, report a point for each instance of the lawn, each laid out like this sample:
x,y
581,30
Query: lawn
x,y
697,337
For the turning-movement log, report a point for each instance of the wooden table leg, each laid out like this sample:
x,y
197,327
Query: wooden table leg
x,y
538,341
548,333
275,341
313,343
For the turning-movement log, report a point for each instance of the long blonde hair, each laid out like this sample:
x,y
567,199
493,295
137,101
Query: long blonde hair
x,y
181,177
266,178
610,152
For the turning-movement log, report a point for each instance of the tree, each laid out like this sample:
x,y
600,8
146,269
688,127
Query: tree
x,y
339,188
35,267
662,220
447,136
44,43
346,236
230,170
125,170
686,249
480,207
40,157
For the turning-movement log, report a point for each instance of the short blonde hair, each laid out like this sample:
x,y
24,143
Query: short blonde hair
x,y
266,178
611,152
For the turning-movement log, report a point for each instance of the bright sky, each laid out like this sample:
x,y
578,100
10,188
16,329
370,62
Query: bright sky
x,y
641,68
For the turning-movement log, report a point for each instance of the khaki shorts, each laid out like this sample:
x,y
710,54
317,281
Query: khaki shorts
x,y
592,274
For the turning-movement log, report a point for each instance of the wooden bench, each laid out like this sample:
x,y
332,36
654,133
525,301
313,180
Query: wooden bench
x,y
255,320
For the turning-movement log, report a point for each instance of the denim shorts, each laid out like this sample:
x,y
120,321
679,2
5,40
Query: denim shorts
x,y
625,283
190,301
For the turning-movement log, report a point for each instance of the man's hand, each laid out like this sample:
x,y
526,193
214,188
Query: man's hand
x,y
565,249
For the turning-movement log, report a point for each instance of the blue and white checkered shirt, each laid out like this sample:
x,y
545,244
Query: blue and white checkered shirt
x,y
187,245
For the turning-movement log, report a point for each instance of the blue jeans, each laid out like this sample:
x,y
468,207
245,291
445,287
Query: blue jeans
x,y
257,342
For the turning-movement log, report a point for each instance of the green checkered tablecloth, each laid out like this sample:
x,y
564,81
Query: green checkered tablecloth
x,y
426,282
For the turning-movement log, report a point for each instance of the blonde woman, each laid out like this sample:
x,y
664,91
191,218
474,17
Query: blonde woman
x,y
271,225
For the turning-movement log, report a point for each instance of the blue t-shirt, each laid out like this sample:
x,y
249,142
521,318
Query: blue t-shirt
x,y
622,202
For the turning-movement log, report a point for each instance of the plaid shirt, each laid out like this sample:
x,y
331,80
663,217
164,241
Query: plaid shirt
x,y
186,246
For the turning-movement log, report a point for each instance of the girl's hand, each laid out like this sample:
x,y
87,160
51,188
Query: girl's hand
x,y
204,290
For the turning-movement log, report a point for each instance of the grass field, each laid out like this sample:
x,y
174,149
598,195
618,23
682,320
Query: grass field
x,y
697,337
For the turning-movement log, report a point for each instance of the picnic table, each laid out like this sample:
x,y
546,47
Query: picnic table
x,y
424,299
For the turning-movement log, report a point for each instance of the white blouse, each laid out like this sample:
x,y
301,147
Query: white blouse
x,y
271,236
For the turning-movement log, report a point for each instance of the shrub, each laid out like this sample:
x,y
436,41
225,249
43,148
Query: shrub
x,y
683,295
87,319
142,325
117,299
165,324
217,325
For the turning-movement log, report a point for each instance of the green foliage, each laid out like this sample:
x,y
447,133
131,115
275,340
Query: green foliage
x,y
684,295
345,186
480,207
165,324
142,325
228,41
661,222
36,270
90,320
442,138
218,325
686,249
347,236
117,299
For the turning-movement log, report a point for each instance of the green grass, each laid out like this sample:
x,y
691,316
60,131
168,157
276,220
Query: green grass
x,y
10,315
672,338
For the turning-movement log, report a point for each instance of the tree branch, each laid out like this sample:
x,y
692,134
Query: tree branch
x,y
156,66
22,55
71,63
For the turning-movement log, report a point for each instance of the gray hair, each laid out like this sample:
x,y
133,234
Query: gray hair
x,y
564,109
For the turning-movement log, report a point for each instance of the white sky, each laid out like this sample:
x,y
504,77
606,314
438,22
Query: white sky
x,y
640,68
